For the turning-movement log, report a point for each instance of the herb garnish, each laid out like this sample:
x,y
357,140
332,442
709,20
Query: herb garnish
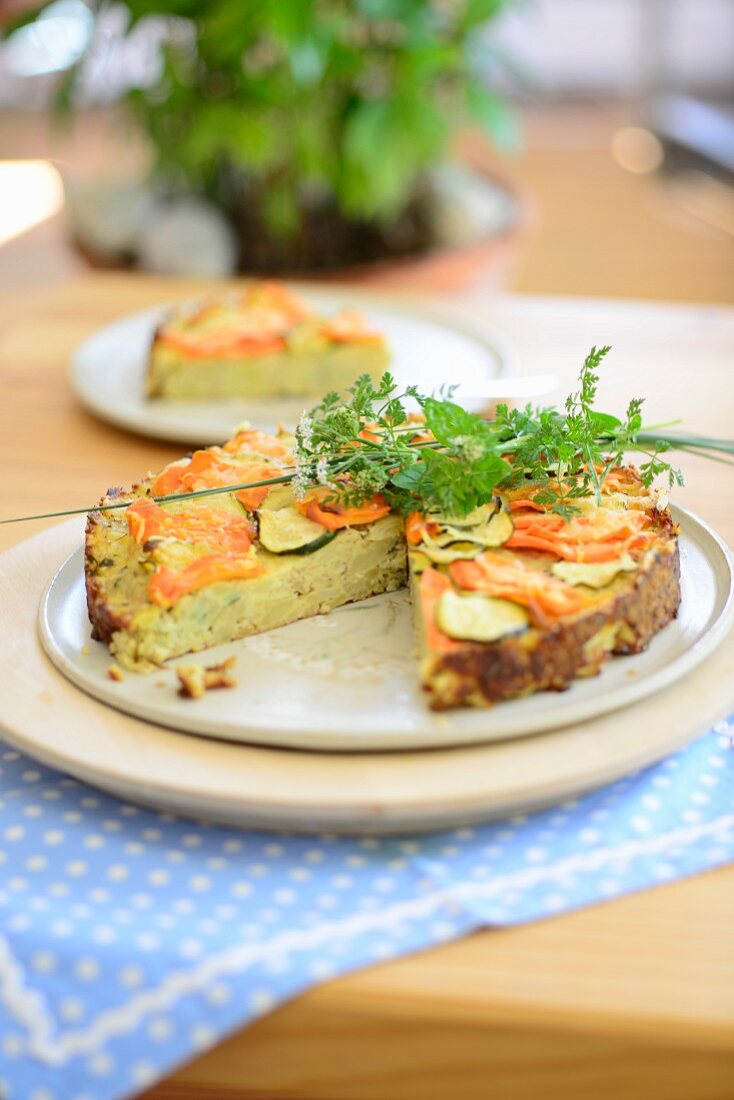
x,y
452,461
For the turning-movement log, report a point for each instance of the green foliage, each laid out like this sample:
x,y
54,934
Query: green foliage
x,y
564,456
351,99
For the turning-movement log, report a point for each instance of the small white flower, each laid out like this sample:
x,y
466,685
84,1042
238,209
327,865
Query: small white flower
x,y
322,473
300,482
305,431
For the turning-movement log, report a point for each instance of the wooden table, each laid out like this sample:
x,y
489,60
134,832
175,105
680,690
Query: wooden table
x,y
631,998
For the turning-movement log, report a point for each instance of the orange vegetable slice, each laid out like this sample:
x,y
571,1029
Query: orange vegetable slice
x,y
546,598
167,586
221,342
252,439
431,587
333,516
208,470
349,326
269,294
603,536
417,526
146,519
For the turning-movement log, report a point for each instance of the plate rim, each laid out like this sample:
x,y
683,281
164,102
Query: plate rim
x,y
279,734
252,787
444,314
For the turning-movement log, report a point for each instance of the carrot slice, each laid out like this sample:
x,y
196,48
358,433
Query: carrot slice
x,y
220,529
431,588
167,586
334,516
349,326
269,294
603,536
517,505
198,345
546,598
252,439
167,481
207,470
417,527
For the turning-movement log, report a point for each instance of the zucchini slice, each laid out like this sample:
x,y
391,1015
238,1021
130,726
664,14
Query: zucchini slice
x,y
595,575
280,496
457,551
478,618
419,561
496,531
493,532
286,531
476,518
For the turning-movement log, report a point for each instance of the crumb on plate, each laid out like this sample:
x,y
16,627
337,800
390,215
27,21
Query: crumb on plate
x,y
115,674
197,679
85,651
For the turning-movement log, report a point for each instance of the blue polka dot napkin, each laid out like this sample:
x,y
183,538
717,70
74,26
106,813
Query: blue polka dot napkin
x,y
130,940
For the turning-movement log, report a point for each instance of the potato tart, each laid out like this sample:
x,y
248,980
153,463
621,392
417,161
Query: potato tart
x,y
263,342
508,600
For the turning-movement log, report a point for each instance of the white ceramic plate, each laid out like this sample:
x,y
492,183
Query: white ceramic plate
x,y
48,717
347,681
430,346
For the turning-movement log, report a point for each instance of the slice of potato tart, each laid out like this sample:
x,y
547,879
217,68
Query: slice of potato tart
x,y
549,601
264,341
174,578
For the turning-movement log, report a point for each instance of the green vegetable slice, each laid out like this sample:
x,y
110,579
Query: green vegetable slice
x,y
478,618
286,531
457,551
596,575
476,518
419,561
494,532
279,496
498,529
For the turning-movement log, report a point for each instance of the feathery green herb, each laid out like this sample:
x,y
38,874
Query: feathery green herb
x,y
452,461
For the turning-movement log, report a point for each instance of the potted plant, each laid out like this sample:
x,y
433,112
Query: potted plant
x,y
319,128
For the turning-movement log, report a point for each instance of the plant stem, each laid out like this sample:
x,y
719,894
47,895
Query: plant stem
x,y
157,500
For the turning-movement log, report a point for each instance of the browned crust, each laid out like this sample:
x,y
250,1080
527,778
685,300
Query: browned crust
x,y
103,619
511,668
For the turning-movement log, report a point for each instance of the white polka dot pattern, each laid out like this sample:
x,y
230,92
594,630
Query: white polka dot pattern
x,y
131,940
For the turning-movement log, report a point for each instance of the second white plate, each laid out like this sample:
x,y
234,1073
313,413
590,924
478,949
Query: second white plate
x,y
430,347
348,681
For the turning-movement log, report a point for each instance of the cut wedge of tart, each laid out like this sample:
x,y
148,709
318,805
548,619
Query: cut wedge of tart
x,y
508,600
262,342
178,577
514,599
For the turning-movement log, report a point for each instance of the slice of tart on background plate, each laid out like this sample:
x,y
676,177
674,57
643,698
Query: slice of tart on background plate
x,y
263,341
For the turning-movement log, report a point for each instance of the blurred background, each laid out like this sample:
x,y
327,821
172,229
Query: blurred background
x,y
546,146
